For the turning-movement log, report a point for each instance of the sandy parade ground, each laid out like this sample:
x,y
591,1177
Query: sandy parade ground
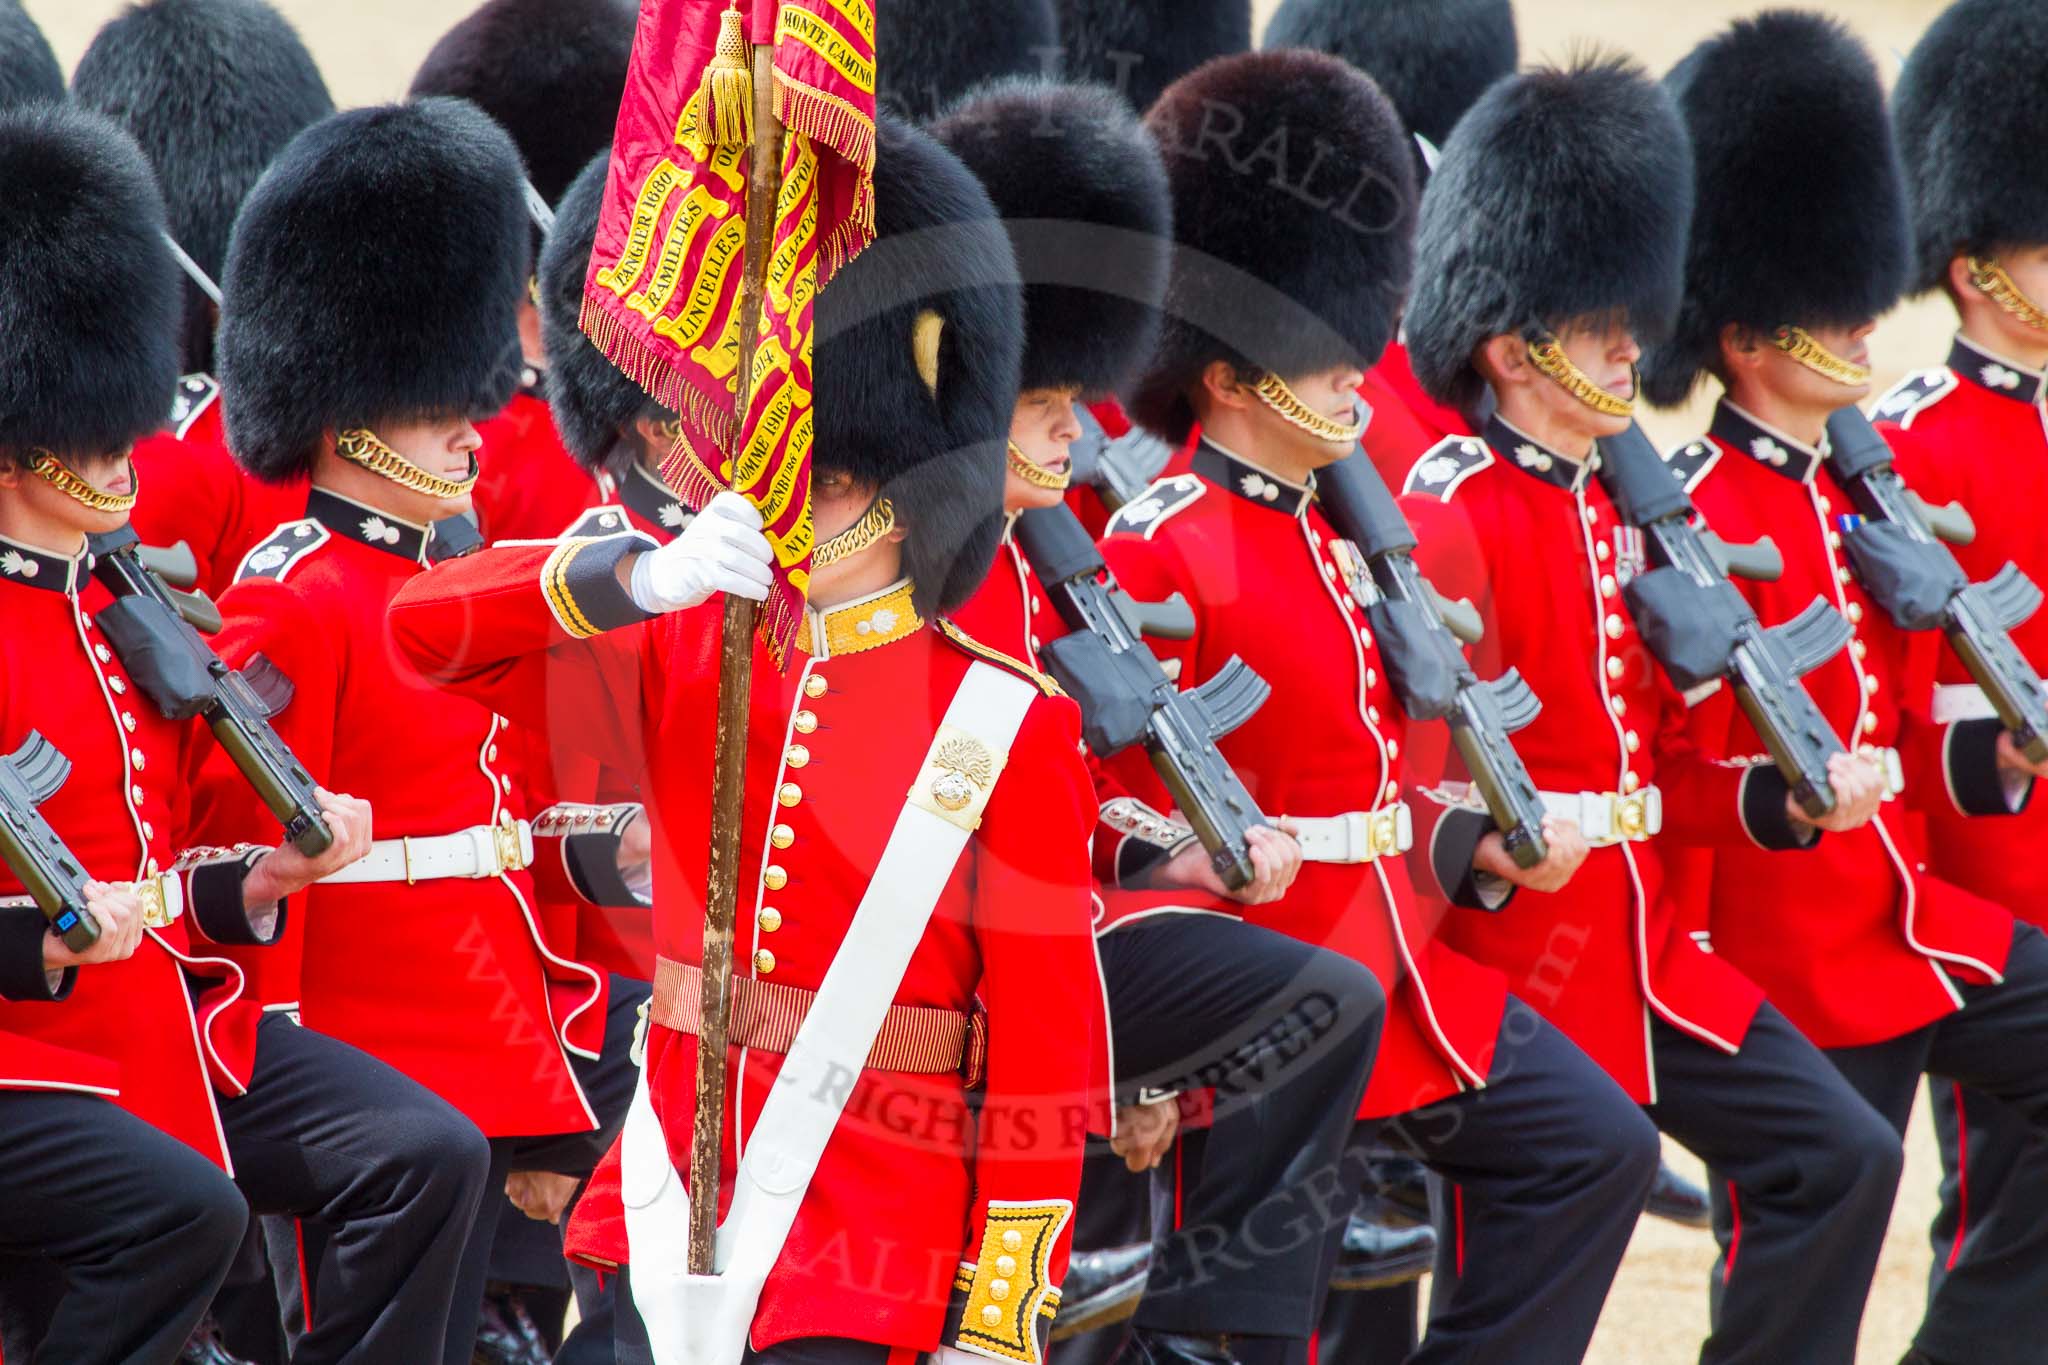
x,y
1657,1314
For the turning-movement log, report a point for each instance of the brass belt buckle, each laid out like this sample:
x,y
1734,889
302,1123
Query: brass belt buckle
x,y
1632,816
1385,832
505,838
156,912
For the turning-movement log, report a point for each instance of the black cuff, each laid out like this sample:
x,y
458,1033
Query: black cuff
x,y
23,978
1452,846
213,891
1136,861
581,581
1969,760
592,861
1765,818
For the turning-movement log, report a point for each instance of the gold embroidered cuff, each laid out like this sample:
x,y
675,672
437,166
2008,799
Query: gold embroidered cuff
x,y
1006,1301
580,581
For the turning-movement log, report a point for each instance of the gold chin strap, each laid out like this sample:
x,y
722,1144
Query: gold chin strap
x,y
1548,356
1800,345
54,472
363,448
1993,283
1037,475
878,521
1274,393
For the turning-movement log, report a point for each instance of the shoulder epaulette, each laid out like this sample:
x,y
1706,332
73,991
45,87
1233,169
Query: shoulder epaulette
x,y
605,520
1146,513
1446,465
1690,463
1913,395
1043,682
196,393
282,551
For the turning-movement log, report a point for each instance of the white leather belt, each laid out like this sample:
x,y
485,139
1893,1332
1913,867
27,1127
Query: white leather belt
x,y
1607,818
479,851
1356,837
162,897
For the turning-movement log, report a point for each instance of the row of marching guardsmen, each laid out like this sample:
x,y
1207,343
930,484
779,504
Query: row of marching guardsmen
x,y
277,1111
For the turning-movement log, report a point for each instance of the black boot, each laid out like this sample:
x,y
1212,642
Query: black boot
x,y
1378,1253
506,1333
1148,1347
204,1346
1403,1186
1102,1287
1680,1201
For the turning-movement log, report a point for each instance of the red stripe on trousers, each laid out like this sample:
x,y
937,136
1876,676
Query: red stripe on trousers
x,y
305,1285
1955,1253
1734,1232
1458,1226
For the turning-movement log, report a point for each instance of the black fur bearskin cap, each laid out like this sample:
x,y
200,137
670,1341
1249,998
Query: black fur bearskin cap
x,y
28,68
937,454
212,90
1294,216
1971,116
88,289
931,52
1082,189
1802,211
1433,58
375,274
1143,46
1563,195
551,72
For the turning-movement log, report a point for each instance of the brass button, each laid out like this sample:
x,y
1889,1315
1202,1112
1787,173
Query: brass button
x,y
120,688
1631,742
1372,680
128,721
1855,611
764,962
1364,638
1614,627
797,756
1834,540
1013,1240
1614,667
1393,748
1618,705
1601,552
100,652
805,722
782,836
1372,715
136,792
1006,1265
999,1290
1608,587
1393,791
814,686
1592,516
135,757
1869,686
1859,649
774,878
770,919
1845,575
790,794
1869,722
1825,504
991,1315
1629,782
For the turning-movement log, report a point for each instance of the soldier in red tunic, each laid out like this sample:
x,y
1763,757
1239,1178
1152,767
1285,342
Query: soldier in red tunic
x,y
907,499
1607,958
305,1125
1800,241
212,90
1280,299
1974,431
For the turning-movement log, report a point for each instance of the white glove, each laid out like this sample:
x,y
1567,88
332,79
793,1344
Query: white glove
x,y
721,550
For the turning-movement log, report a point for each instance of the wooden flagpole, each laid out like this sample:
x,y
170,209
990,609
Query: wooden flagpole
x,y
735,686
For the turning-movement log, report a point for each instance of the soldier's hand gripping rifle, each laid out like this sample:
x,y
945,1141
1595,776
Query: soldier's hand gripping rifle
x,y
1903,560
1126,697
1702,629
55,879
1120,468
1419,631
181,674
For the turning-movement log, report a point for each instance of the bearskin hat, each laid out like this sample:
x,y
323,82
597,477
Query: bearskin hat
x,y
1801,213
930,52
1433,58
212,90
28,68
1295,231
591,398
375,273
1082,189
1563,194
551,72
1143,46
87,286
940,259
1971,127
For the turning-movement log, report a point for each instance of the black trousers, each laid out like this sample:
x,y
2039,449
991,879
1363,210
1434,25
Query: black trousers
x,y
1804,1174
1285,1034
113,1235
1550,1165
633,1348
1990,1247
1991,1311
380,1173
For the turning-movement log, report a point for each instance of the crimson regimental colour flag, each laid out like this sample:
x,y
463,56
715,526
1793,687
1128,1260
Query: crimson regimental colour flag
x,y
662,299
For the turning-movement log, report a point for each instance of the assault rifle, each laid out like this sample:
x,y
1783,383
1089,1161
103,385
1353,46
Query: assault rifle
x,y
1419,631
55,879
1126,697
1120,469
1904,563
1702,629
181,674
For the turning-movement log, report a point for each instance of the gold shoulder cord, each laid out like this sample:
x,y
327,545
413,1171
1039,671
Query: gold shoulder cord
x,y
1272,390
1548,355
54,472
1038,476
878,521
362,447
1801,346
1990,280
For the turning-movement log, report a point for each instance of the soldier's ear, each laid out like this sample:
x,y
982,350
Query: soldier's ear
x,y
1742,348
1224,387
1503,361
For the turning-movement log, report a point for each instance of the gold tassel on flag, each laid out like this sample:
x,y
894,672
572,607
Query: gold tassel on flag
x,y
724,104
